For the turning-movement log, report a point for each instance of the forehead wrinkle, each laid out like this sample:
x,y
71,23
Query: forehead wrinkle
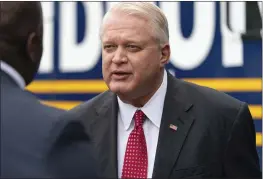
x,y
126,35
116,20
120,36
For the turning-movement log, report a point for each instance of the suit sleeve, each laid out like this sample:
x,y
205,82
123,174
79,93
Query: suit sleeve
x,y
241,158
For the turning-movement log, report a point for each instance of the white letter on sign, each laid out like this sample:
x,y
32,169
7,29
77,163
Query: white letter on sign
x,y
47,65
84,56
188,54
232,46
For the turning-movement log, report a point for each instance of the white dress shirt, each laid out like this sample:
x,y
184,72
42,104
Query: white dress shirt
x,y
13,74
153,109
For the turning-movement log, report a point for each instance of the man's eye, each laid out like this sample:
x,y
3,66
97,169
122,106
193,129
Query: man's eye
x,y
133,47
109,46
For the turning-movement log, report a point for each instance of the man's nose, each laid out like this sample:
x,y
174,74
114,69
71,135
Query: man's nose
x,y
120,56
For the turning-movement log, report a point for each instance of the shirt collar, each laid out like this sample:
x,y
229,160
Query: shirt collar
x,y
153,109
13,74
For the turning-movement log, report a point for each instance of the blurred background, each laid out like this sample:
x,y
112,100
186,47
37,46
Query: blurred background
x,y
215,44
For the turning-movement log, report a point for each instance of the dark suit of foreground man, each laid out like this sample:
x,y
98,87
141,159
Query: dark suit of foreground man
x,y
35,141
148,118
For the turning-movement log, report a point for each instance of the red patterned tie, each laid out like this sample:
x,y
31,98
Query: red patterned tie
x,y
136,161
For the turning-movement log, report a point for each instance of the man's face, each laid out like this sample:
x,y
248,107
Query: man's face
x,y
131,55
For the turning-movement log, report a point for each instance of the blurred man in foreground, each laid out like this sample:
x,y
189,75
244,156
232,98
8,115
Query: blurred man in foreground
x,y
34,143
153,125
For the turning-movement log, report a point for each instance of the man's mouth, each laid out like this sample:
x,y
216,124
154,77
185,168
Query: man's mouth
x,y
120,75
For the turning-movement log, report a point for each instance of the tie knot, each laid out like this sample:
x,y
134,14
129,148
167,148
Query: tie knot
x,y
139,118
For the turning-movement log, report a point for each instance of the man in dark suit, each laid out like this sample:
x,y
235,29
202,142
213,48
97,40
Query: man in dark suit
x,y
152,125
35,141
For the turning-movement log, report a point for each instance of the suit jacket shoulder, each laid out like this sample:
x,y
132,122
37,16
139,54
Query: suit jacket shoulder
x,y
92,107
37,141
210,99
26,125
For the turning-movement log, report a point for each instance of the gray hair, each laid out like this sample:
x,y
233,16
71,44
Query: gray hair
x,y
150,11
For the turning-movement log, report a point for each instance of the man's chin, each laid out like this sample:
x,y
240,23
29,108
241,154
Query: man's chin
x,y
120,90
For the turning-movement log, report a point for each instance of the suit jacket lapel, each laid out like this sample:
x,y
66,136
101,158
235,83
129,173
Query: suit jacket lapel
x,y
104,131
171,141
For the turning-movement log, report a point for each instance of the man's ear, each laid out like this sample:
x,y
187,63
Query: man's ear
x,y
165,50
31,46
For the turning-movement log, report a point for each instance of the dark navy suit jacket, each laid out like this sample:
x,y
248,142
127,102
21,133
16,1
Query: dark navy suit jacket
x,y
36,142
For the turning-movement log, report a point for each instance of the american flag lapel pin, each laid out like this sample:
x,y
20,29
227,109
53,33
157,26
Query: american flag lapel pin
x,y
173,127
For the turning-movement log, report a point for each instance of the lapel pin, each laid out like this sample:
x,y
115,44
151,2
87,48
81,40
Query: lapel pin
x,y
173,127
